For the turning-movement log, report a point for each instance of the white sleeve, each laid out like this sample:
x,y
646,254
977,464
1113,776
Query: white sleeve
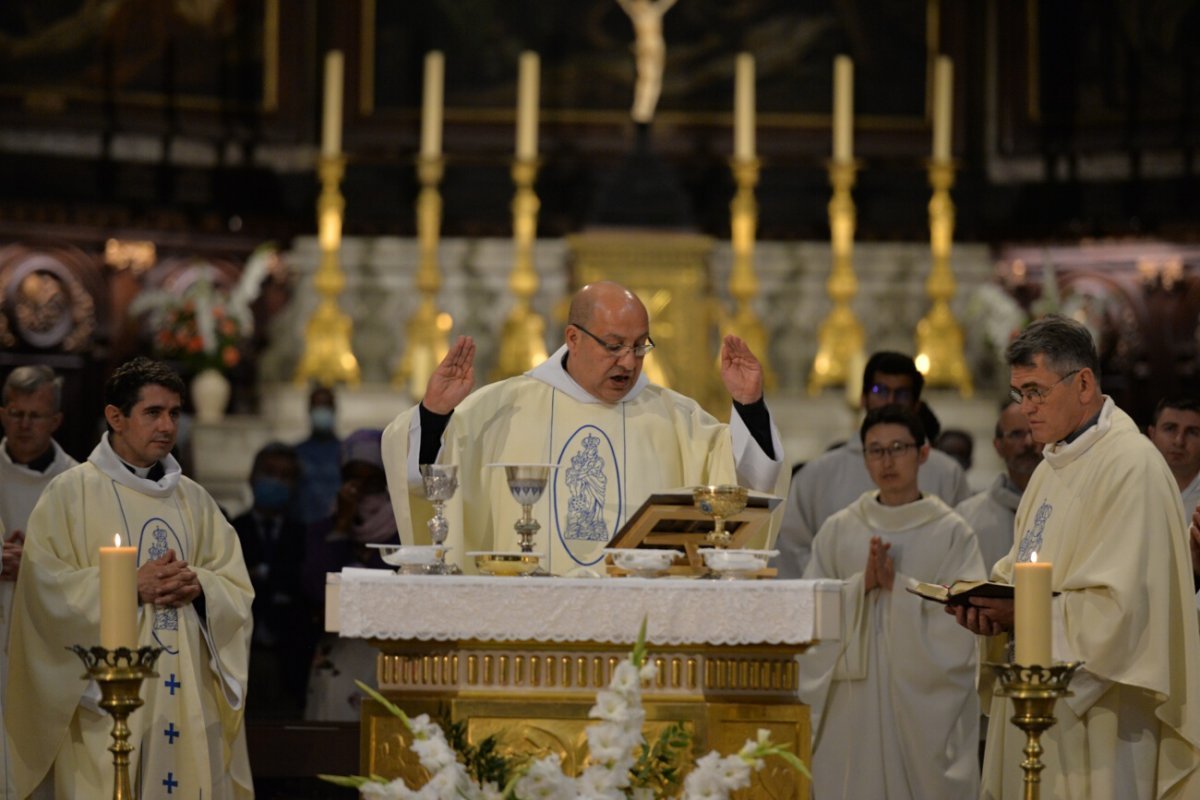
x,y
755,469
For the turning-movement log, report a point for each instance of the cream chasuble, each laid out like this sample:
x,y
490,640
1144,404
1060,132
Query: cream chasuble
x,y
609,457
1106,512
188,736
895,713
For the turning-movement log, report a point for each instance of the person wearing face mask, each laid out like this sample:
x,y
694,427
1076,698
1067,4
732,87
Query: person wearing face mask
x,y
362,516
319,454
285,629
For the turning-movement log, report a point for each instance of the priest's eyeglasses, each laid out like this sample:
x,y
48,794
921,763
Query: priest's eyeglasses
x,y
1034,393
895,450
616,349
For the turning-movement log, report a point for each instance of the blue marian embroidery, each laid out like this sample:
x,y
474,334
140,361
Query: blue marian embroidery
x,y
587,484
1031,541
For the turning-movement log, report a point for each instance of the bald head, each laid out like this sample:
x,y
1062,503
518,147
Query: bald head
x,y
604,297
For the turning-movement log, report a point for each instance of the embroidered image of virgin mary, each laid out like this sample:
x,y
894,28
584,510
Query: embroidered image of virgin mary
x,y
587,484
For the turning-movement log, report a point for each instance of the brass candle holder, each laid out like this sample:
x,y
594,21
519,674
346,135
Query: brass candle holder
x,y
743,282
523,340
840,337
1033,690
119,674
427,333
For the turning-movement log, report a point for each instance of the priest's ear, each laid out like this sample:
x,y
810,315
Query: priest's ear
x,y
115,419
1089,386
922,454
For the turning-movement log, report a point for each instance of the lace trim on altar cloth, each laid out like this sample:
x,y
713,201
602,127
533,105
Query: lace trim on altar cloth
x,y
382,605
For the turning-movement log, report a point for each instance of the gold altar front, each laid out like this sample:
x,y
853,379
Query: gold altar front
x,y
535,697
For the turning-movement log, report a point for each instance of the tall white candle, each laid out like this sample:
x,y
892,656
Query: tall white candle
x,y
331,118
1031,610
743,108
528,79
118,595
843,109
431,109
943,108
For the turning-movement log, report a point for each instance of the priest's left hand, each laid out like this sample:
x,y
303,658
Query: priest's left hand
x,y
1194,540
986,616
12,556
741,371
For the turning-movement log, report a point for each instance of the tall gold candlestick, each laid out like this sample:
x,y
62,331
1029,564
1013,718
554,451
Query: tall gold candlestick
x,y
1033,690
328,358
428,330
523,340
840,337
743,282
939,338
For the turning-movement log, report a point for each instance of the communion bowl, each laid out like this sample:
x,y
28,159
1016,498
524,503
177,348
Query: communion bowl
x,y
440,480
720,501
411,558
506,564
642,562
736,563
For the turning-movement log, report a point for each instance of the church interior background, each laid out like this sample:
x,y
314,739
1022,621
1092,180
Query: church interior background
x,y
149,147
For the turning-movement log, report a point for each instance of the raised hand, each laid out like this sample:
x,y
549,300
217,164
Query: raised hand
x,y
741,372
453,379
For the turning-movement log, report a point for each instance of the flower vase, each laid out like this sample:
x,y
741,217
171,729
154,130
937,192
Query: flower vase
x,y
210,395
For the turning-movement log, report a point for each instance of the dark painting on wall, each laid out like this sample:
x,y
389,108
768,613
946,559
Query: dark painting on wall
x,y
588,68
58,55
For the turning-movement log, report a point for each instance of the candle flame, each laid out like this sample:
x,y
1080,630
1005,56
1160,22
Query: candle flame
x,y
1033,557
116,540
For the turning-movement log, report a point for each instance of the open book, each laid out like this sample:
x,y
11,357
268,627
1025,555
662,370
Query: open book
x,y
959,592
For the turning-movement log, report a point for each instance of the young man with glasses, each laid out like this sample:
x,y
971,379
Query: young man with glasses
x,y
835,479
1105,511
29,460
616,437
895,712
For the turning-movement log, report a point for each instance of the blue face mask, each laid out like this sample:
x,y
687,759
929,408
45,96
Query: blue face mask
x,y
271,494
321,419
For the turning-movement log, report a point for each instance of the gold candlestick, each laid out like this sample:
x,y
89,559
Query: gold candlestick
x,y
523,341
327,357
427,331
939,338
1034,691
119,674
840,337
743,282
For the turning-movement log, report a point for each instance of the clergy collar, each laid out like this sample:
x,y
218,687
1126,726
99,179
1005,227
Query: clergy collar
x,y
553,373
1060,454
105,459
39,464
1075,434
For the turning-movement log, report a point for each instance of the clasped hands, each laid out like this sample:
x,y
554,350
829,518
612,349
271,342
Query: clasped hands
x,y
167,581
880,572
12,556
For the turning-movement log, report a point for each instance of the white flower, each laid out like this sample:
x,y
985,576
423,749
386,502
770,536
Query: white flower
x,y
609,742
602,783
626,678
394,790
433,753
734,772
648,671
423,728
545,781
641,793
615,707
444,785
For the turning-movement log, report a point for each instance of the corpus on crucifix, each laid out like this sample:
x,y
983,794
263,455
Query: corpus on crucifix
x,y
649,51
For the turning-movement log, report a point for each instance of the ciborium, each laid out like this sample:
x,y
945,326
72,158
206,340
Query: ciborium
x,y
1033,690
720,503
527,483
440,481
119,674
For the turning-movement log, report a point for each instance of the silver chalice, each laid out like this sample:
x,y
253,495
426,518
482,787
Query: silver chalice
x,y
441,481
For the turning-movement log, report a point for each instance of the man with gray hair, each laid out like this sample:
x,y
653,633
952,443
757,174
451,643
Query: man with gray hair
x,y
29,459
1104,510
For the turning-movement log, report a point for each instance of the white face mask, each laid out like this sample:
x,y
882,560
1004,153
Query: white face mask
x,y
321,419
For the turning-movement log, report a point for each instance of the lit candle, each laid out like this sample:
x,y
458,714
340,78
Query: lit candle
x,y
431,111
118,595
843,109
743,108
943,92
331,120
527,105
1032,612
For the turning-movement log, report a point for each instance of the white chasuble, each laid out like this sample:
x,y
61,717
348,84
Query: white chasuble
x,y
609,457
188,736
895,714
1105,511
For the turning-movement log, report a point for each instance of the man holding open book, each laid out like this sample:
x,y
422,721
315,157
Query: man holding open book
x,y
1104,510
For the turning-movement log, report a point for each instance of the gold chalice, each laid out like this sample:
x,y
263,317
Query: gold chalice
x,y
721,503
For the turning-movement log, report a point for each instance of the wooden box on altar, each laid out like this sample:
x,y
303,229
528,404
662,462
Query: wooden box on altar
x,y
527,660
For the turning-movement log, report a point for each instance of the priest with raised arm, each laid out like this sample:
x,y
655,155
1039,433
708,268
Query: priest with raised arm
x,y
615,437
1104,510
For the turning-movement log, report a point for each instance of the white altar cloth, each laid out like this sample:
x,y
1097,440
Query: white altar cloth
x,y
379,604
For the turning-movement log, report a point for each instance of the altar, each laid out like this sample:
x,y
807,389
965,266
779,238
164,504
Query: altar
x,y
523,658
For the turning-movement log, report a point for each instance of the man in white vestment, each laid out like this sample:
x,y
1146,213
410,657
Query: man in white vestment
x,y
895,711
589,409
1104,509
991,513
194,596
1175,431
29,459
837,478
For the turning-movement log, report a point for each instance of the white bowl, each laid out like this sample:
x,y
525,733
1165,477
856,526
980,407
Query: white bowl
x,y
645,562
736,563
409,555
